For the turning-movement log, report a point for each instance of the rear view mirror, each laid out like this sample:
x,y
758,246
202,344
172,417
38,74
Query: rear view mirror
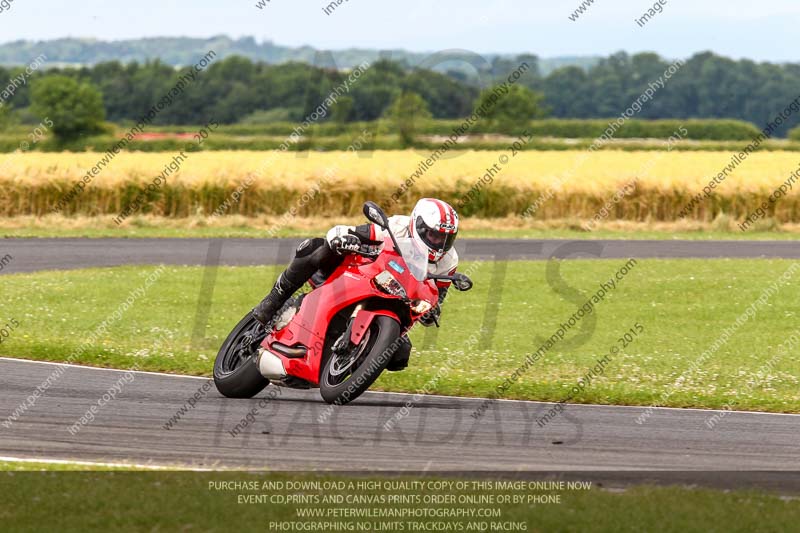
x,y
461,282
375,214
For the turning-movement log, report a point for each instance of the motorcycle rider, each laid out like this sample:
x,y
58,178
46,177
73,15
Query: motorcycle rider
x,y
433,224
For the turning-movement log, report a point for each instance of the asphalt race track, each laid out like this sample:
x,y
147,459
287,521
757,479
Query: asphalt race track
x,y
297,431
60,254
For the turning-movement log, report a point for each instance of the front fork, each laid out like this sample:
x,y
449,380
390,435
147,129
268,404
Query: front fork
x,y
345,342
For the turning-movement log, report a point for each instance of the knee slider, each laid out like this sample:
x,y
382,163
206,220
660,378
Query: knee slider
x,y
309,246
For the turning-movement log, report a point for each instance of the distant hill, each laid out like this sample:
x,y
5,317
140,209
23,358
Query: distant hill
x,y
180,51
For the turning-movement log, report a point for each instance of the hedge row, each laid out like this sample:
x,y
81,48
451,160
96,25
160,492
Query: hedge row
x,y
382,142
696,129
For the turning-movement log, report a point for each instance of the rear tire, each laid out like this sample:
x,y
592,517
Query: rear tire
x,y
376,350
236,372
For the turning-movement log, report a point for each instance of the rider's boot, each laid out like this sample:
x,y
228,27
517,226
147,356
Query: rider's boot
x,y
265,311
311,255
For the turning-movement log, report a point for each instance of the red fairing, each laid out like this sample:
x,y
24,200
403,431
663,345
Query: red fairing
x,y
350,284
364,318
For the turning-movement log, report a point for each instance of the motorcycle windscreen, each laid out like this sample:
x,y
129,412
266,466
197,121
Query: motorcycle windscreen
x,y
415,256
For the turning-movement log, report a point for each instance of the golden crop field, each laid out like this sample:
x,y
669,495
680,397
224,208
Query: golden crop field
x,y
336,183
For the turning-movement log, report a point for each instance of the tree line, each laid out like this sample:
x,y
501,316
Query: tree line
x,y
238,90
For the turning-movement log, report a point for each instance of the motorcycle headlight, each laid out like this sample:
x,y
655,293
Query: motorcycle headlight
x,y
421,307
389,284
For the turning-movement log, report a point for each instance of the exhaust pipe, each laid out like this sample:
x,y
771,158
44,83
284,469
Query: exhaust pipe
x,y
270,365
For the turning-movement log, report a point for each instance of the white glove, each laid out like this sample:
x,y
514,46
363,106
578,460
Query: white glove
x,y
343,244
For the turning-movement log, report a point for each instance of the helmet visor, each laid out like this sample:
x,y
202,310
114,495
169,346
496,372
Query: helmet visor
x,y
439,241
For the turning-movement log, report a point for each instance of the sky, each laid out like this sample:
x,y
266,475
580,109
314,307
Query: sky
x,y
735,28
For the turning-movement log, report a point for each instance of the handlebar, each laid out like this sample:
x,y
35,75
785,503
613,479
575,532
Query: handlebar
x,y
368,250
461,282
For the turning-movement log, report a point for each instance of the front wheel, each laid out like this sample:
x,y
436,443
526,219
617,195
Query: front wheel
x,y
236,373
345,376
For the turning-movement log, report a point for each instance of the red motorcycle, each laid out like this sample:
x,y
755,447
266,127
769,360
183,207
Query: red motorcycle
x,y
341,335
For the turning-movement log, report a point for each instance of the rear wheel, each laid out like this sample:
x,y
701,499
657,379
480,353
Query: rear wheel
x,y
345,376
236,372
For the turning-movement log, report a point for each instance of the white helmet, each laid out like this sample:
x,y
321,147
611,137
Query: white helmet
x,y
434,224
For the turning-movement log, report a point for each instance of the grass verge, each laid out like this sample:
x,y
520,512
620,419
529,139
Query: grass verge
x,y
236,226
49,466
172,501
682,307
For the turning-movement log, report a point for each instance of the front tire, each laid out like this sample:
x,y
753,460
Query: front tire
x,y
236,372
345,377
